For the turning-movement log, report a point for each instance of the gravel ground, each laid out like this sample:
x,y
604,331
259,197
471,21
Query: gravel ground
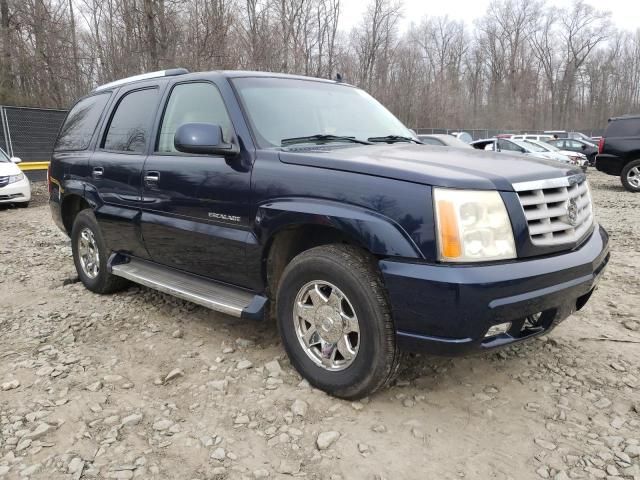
x,y
141,385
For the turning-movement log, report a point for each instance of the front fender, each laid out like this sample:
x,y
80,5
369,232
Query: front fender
x,y
375,232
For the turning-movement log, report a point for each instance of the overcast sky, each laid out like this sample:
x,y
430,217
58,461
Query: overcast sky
x,y
625,13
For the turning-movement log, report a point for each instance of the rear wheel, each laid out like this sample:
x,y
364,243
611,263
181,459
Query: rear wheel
x,y
90,255
335,321
630,176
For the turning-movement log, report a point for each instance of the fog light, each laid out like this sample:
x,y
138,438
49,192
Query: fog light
x,y
498,329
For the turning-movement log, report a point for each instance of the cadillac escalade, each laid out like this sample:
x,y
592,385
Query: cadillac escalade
x,y
264,195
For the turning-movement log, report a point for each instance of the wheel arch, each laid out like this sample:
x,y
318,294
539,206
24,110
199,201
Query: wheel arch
x,y
71,205
292,226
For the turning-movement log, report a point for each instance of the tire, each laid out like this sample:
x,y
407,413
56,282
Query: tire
x,y
630,176
353,276
86,227
22,205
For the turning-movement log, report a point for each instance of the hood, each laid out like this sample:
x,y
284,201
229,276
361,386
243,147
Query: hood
x,y
432,165
8,168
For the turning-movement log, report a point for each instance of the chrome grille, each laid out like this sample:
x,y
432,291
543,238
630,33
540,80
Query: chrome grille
x,y
4,181
558,210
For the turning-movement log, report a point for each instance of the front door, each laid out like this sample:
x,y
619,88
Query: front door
x,y
116,168
195,207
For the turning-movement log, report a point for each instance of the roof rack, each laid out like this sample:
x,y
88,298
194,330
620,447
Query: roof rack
x,y
145,76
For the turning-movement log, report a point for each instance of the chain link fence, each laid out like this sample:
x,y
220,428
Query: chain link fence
x,y
29,133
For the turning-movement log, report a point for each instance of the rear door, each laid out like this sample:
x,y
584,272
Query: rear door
x,y
116,166
195,207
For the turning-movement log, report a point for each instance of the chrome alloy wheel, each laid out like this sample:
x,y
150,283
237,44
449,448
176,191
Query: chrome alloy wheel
x,y
326,325
88,253
633,177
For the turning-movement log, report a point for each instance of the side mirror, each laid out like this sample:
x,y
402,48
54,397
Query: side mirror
x,y
16,160
203,138
584,147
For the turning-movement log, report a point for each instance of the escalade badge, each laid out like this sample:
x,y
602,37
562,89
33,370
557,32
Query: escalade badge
x,y
572,212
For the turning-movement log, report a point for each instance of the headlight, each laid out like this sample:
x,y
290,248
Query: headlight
x,y
472,226
16,178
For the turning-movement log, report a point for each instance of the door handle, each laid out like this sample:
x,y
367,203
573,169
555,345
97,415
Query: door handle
x,y
152,177
97,172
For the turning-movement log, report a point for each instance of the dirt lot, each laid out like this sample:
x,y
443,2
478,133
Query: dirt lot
x,y
141,385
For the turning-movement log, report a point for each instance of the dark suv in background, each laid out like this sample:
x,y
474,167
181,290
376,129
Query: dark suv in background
x,y
258,193
619,151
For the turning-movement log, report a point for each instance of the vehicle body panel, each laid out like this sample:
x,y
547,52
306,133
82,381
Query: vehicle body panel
x,y
474,298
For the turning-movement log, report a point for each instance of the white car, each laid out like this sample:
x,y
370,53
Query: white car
x,y
14,185
517,146
575,158
530,136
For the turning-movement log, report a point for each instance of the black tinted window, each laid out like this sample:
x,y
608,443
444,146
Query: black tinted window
x,y
81,122
624,128
129,130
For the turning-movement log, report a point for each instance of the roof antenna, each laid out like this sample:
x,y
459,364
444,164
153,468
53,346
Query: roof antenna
x,y
338,77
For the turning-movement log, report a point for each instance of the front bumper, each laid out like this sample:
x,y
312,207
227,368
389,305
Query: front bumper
x,y
16,192
448,309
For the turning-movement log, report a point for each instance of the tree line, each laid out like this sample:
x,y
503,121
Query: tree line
x,y
524,64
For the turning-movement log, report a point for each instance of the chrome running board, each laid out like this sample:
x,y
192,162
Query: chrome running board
x,y
216,296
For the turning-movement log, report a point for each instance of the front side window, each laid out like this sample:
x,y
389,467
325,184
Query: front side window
x,y
80,123
130,127
281,108
4,158
192,103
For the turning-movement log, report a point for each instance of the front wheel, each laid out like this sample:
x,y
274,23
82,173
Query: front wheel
x,y
630,176
90,255
335,321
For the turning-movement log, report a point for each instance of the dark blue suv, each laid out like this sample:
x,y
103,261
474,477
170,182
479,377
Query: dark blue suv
x,y
258,194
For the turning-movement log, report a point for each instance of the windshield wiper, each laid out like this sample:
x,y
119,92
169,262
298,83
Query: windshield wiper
x,y
393,139
321,138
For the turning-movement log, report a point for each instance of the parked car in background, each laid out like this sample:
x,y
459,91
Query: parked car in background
x,y
619,151
589,149
463,136
531,136
15,187
518,146
580,136
245,190
443,140
575,158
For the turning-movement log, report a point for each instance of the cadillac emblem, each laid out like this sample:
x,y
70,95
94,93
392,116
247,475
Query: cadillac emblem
x,y
572,212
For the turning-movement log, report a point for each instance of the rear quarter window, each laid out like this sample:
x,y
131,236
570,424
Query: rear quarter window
x,y
624,128
81,123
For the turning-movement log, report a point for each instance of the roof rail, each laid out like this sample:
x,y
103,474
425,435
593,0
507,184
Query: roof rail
x,y
145,76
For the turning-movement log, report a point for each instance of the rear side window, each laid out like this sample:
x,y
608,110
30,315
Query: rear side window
x,y
624,128
192,103
130,126
81,122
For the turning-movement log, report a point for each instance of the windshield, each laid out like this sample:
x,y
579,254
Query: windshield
x,y
528,146
3,156
282,108
545,146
